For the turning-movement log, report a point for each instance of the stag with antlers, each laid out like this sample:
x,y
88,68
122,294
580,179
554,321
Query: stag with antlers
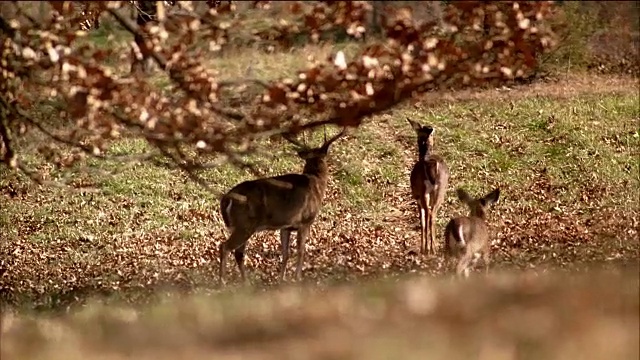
x,y
287,203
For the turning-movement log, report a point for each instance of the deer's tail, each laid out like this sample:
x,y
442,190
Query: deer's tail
x,y
225,209
460,236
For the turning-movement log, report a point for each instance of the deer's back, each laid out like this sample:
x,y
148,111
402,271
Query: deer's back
x,y
466,234
430,176
285,201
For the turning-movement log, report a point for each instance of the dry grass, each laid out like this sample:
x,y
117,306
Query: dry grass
x,y
569,85
130,270
603,37
564,157
505,316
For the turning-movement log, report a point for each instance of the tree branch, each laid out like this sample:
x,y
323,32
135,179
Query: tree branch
x,y
5,135
226,83
134,29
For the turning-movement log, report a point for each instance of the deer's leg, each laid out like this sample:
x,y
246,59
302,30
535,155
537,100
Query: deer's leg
x,y
430,227
432,233
426,206
423,225
239,255
423,230
486,260
303,233
448,252
463,265
223,257
285,236
237,238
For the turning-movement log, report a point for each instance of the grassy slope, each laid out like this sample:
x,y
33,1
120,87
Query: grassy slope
x,y
564,155
503,316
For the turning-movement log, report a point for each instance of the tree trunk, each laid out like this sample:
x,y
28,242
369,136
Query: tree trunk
x,y
376,17
146,13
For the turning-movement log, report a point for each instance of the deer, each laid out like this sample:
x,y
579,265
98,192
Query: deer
x,y
287,203
467,237
429,179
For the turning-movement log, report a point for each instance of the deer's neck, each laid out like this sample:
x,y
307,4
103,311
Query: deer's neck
x,y
319,170
424,152
479,213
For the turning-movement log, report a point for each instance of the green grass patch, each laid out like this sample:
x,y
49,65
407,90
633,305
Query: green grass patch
x,y
578,141
566,160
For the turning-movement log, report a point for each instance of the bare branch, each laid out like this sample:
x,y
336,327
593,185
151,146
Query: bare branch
x,y
289,137
5,136
6,28
37,125
237,82
21,12
134,29
54,184
191,122
188,171
232,114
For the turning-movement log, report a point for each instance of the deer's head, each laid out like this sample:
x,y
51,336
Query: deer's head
x,y
314,157
478,207
425,138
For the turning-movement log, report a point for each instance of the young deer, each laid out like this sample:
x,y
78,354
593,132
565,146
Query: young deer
x,y
467,237
287,203
429,179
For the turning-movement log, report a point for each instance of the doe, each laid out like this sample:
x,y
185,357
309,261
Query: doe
x,y
467,237
429,179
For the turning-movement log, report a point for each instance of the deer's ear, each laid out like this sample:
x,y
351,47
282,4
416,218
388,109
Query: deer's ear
x,y
414,124
491,198
463,196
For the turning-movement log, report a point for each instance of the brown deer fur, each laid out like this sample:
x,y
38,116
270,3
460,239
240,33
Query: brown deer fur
x,y
287,203
467,237
429,179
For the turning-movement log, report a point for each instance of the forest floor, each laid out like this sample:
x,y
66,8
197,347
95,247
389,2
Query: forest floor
x,y
135,264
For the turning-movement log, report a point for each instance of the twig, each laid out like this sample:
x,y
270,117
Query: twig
x,y
193,176
6,28
5,135
38,180
162,62
84,148
41,128
139,9
135,29
243,81
232,114
21,12
236,161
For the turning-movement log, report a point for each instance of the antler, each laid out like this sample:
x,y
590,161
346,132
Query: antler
x,y
325,145
336,137
291,139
